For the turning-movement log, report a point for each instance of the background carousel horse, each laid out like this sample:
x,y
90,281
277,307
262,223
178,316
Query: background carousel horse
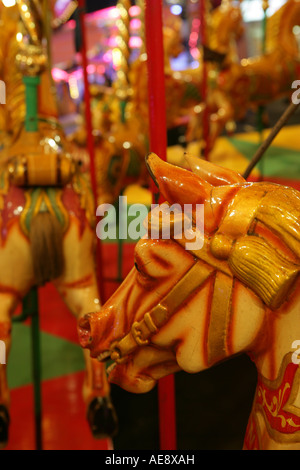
x,y
47,223
253,82
187,309
120,113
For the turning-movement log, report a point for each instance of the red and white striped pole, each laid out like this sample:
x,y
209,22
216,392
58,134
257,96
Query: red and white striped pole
x,y
89,131
205,121
158,145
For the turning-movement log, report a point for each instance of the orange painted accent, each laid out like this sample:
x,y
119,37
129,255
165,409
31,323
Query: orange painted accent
x,y
220,211
11,291
80,283
231,323
178,185
251,441
274,240
207,318
5,330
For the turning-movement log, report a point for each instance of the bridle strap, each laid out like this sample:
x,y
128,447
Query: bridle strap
x,y
141,332
156,318
204,254
220,318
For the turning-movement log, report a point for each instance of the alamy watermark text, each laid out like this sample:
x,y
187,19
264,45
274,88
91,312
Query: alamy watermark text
x,y
164,221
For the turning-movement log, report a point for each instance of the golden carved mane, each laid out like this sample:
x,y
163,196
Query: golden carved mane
x,y
252,228
279,32
264,251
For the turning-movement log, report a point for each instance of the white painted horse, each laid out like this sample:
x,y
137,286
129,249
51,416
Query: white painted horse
x,y
182,309
47,223
48,235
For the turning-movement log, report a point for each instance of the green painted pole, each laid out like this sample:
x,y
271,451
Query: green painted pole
x,y
30,303
30,310
31,100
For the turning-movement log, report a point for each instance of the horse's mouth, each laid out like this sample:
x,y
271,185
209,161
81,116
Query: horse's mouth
x,y
104,356
111,368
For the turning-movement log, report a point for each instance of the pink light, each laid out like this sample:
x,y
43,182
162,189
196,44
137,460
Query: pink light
x,y
107,57
91,68
59,75
60,5
70,25
111,13
194,37
135,42
77,74
134,10
195,53
135,24
112,42
196,23
100,69
106,14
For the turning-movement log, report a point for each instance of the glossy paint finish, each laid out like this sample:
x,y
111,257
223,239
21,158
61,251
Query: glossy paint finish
x,y
246,298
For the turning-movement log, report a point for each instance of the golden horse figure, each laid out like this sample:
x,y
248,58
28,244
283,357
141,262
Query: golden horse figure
x,y
46,222
117,165
188,308
255,81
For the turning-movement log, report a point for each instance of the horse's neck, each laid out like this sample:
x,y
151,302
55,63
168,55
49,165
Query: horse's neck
x,y
280,29
281,330
220,34
275,419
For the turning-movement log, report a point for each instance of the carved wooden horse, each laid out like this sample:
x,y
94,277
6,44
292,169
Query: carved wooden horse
x,y
182,309
48,234
47,230
118,164
255,81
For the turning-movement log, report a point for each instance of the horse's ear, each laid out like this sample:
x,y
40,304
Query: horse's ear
x,y
176,184
213,174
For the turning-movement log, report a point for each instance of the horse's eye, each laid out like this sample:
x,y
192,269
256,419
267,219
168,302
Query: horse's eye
x,y
139,270
137,267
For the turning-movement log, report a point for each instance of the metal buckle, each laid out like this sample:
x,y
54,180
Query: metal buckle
x,y
138,335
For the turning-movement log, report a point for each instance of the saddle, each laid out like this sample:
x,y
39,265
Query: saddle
x,y
41,158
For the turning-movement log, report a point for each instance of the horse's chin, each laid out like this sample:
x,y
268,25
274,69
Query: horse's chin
x,y
129,380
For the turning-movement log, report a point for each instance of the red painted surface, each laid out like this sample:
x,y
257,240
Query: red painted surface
x,y
156,80
204,80
158,145
267,397
64,426
283,181
89,131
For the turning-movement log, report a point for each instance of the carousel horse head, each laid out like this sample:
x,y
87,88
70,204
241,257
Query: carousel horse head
x,y
185,308
226,27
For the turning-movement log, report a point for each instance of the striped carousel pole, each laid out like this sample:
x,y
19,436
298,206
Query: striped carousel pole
x,y
203,33
158,145
89,130
122,90
122,81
